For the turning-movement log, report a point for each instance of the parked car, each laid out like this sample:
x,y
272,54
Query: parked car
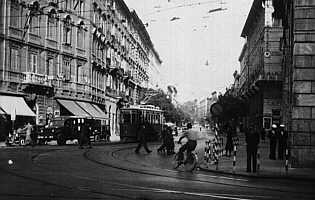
x,y
16,137
66,128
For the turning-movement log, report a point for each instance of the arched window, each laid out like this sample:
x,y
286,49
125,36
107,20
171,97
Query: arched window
x,y
80,35
52,25
67,30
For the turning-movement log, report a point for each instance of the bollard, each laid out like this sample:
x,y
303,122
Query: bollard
x,y
222,146
286,160
216,150
205,154
258,160
234,159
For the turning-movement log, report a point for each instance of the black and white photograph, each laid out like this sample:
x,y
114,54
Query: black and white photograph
x,y
157,99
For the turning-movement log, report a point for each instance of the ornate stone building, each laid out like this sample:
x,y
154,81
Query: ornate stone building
x,y
260,80
73,57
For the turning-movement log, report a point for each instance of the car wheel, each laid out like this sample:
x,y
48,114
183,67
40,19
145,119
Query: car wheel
x,y
96,138
22,142
61,140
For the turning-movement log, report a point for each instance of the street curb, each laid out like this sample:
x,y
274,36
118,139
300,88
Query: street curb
x,y
259,176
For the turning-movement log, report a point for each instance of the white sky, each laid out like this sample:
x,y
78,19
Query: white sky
x,y
186,44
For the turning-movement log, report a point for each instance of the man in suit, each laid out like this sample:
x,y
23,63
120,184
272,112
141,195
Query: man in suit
x,y
252,141
142,141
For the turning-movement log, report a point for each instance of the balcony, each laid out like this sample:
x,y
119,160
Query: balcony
x,y
37,79
73,89
37,83
264,77
258,80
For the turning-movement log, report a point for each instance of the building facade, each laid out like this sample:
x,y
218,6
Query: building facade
x,y
298,48
64,56
204,106
287,53
260,79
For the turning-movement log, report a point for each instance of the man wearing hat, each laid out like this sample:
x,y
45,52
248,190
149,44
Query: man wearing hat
x,y
273,141
282,141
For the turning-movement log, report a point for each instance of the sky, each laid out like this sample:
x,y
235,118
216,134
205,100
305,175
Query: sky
x,y
199,50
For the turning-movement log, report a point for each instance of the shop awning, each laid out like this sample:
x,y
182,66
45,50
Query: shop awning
x,y
2,112
88,107
73,107
11,104
100,110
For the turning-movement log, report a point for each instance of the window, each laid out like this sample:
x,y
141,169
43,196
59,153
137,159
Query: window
x,y
15,61
33,63
80,38
66,69
34,25
14,14
51,26
81,8
50,67
267,122
73,71
67,5
67,31
80,74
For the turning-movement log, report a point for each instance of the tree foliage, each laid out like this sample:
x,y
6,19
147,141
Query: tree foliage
x,y
171,113
233,107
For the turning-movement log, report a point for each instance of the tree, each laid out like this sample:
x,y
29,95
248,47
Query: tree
x,y
233,107
171,113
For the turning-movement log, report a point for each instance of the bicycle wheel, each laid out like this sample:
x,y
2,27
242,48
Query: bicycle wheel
x,y
191,162
175,162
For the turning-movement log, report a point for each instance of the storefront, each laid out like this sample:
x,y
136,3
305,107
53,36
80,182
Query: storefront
x,y
15,113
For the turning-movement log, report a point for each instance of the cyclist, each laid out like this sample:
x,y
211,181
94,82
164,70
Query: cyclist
x,y
190,146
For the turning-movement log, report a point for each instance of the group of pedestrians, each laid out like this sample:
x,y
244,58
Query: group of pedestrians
x,y
278,137
168,144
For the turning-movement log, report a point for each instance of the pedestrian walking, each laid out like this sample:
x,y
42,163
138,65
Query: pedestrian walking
x,y
282,141
263,134
28,128
273,141
229,142
142,139
252,141
84,132
88,134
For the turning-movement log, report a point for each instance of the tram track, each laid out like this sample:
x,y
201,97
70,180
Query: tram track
x,y
85,155
57,185
114,154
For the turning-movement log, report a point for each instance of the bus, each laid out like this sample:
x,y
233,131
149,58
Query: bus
x,y
133,116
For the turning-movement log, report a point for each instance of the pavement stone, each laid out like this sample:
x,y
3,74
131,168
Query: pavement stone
x,y
268,168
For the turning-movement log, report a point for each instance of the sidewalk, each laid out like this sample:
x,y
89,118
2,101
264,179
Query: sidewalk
x,y
268,168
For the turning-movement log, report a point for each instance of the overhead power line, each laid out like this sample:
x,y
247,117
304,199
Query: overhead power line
x,y
182,6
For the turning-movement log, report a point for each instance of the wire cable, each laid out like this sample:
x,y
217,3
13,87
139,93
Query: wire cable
x,y
182,6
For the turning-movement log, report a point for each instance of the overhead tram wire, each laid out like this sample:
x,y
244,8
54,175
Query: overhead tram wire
x,y
181,6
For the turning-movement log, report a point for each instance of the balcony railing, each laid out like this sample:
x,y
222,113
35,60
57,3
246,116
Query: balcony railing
x,y
265,76
38,79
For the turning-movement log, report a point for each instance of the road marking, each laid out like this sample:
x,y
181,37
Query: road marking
x,y
223,195
213,176
213,195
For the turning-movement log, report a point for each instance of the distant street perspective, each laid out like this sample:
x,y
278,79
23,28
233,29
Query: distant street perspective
x,y
157,99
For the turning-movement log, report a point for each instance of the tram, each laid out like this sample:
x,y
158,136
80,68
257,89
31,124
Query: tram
x,y
132,117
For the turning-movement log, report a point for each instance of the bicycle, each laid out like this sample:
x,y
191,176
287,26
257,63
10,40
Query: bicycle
x,y
189,161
